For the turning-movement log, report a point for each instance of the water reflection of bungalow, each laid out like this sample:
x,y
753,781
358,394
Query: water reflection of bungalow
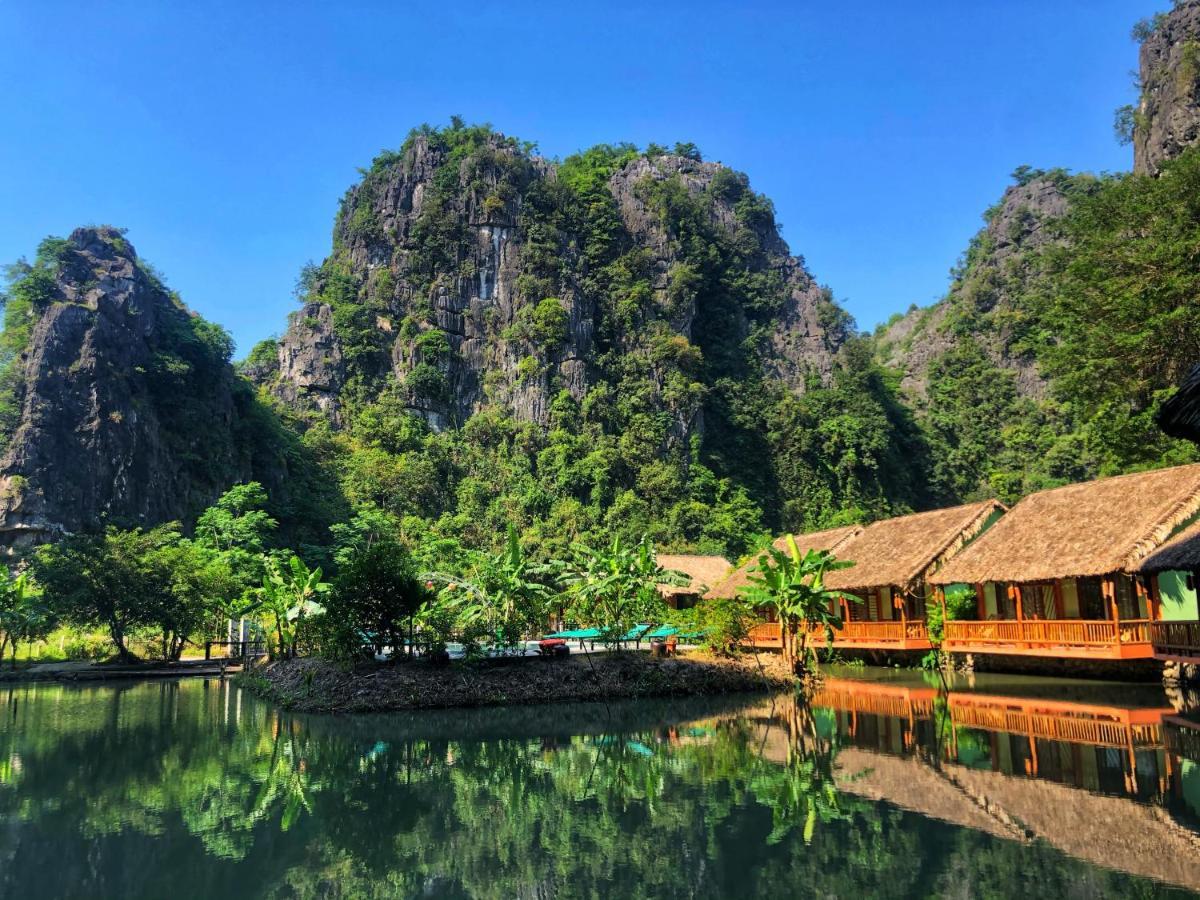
x,y
1098,746
1060,574
767,633
1089,779
889,715
703,571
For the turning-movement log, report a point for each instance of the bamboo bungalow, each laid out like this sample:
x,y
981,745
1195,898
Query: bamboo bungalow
x,y
1060,575
1176,567
704,572
767,634
893,559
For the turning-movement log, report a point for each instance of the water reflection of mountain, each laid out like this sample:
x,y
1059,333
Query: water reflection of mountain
x,y
1111,780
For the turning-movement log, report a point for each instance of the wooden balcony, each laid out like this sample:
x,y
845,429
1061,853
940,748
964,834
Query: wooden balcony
x,y
897,635
887,635
1067,638
765,634
1176,641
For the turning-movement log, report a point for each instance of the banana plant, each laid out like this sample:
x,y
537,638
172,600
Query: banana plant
x,y
287,596
616,587
792,585
503,597
23,616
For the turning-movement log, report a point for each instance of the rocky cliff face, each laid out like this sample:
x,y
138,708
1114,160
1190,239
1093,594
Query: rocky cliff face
x,y
126,403
1167,119
468,274
987,301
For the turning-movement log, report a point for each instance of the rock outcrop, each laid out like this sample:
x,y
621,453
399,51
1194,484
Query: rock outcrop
x,y
127,406
468,275
1167,119
988,298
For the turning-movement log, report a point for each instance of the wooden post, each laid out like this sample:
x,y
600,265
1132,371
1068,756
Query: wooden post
x,y
980,602
1109,589
1059,606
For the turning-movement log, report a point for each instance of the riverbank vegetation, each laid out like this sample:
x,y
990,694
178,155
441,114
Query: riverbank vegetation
x,y
373,594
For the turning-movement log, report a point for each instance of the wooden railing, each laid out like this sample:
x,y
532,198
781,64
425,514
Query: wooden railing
x,y
873,699
1182,737
1102,727
875,632
765,634
1176,638
1049,633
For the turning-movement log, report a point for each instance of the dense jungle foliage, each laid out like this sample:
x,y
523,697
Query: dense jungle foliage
x,y
1107,310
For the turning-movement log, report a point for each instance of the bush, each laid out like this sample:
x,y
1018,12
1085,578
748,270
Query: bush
x,y
86,646
725,622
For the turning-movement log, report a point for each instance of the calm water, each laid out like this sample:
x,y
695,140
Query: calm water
x,y
888,787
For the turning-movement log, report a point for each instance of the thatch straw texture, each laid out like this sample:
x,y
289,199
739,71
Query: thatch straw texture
x,y
1180,416
901,551
830,539
1095,528
705,571
1180,554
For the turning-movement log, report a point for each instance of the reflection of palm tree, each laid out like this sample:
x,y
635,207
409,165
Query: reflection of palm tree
x,y
805,789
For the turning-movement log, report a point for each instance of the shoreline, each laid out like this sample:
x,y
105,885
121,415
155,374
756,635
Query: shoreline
x,y
314,685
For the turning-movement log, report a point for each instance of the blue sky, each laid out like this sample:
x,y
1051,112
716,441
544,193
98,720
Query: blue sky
x,y
222,135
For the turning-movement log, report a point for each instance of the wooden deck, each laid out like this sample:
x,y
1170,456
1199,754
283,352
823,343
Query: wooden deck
x,y
1176,641
766,635
1064,638
890,635
897,635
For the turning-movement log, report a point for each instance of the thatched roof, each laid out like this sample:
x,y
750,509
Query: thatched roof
x,y
1080,530
1180,415
901,551
1180,554
705,571
830,539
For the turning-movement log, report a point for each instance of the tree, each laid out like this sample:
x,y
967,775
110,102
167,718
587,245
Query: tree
x,y
615,588
1122,325
102,581
23,616
238,520
127,581
793,586
238,529
288,595
378,593
198,586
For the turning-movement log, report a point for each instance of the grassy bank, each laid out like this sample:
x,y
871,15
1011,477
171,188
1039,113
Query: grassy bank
x,y
314,685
